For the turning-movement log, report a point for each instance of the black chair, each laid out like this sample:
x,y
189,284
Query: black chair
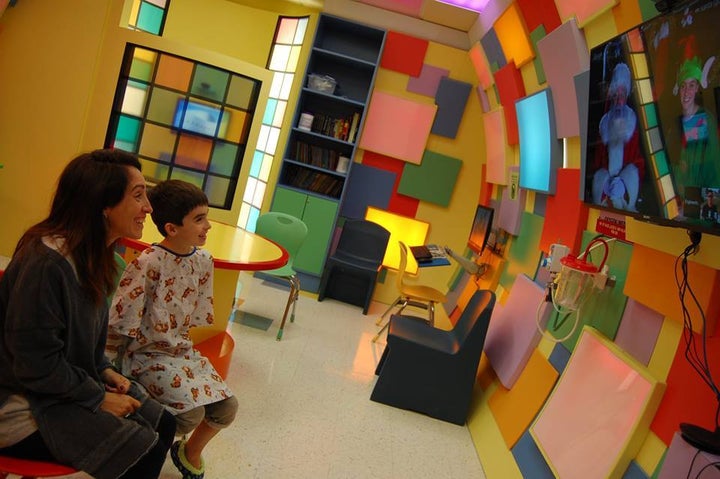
x,y
351,271
432,371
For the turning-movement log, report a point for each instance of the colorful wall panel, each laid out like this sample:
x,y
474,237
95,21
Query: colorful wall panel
x,y
451,98
497,156
564,54
513,332
584,11
480,63
428,81
399,204
403,53
367,186
513,37
433,180
596,418
510,88
397,127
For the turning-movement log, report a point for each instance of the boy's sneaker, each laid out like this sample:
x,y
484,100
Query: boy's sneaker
x,y
177,453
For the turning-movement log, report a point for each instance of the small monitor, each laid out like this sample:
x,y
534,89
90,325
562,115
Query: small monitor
x,y
200,118
482,224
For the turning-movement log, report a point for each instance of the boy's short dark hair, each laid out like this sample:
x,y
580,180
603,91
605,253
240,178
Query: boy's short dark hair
x,y
172,200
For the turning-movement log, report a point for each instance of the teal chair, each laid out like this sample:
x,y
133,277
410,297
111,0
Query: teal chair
x,y
290,233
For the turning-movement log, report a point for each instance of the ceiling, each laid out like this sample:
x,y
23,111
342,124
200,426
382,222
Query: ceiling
x,y
431,11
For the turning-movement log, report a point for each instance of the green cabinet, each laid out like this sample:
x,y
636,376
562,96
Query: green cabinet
x,y
319,216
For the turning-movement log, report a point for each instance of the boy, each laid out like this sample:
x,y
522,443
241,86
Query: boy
x,y
164,292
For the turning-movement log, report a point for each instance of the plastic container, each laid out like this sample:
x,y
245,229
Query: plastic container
x,y
576,279
322,83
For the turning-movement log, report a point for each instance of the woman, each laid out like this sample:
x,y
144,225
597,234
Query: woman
x,y
60,399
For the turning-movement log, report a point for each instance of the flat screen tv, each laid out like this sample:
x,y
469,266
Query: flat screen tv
x,y
197,117
652,136
481,226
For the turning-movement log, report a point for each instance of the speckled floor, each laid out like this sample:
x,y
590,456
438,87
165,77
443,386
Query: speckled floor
x,y
305,410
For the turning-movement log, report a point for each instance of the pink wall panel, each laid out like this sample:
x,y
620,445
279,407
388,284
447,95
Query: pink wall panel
x,y
564,54
479,61
397,127
513,333
495,149
639,330
428,81
596,419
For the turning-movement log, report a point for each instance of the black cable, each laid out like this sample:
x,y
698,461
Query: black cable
x,y
716,464
692,464
697,359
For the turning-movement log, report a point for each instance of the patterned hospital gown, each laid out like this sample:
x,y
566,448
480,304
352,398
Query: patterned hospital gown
x,y
162,295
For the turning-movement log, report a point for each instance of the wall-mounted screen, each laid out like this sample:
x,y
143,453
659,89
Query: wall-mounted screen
x,y
540,150
652,137
481,226
200,118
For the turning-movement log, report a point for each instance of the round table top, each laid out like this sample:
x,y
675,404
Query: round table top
x,y
231,247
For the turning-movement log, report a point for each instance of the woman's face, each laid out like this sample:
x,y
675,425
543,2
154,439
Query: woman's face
x,y
126,218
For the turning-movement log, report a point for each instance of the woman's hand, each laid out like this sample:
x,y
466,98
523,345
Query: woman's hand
x,y
115,382
120,405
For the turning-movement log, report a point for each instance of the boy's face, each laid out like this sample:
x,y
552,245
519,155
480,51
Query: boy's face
x,y
193,231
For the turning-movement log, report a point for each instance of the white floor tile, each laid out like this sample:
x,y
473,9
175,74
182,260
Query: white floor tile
x,y
305,409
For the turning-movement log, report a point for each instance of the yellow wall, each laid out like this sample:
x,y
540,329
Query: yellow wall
x,y
59,63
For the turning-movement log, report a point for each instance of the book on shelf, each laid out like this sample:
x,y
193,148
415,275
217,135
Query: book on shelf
x,y
338,128
353,127
316,155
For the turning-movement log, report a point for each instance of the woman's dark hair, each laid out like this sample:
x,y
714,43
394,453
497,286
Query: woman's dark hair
x,y
172,200
90,183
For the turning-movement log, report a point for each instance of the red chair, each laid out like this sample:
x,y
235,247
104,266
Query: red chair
x,y
29,469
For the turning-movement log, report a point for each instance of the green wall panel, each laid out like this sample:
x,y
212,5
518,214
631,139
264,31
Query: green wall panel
x,y
433,180
523,255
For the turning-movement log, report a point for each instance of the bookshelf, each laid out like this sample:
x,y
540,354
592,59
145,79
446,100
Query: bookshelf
x,y
328,117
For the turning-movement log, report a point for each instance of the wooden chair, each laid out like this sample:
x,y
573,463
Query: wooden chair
x,y
411,295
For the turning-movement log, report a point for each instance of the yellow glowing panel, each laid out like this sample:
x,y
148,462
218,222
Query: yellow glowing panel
x,y
513,37
644,90
266,167
402,228
639,64
294,58
238,126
